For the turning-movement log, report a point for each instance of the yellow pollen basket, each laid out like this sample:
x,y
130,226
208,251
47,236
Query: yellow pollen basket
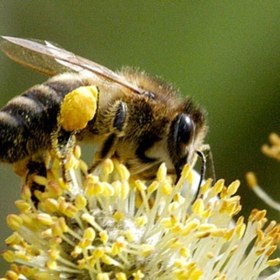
x,y
78,108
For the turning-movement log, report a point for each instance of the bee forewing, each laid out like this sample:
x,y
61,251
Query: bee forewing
x,y
32,54
51,60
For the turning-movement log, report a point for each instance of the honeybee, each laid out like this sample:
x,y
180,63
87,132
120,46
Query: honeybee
x,y
140,119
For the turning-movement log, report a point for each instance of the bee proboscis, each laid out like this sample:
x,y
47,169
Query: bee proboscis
x,y
141,120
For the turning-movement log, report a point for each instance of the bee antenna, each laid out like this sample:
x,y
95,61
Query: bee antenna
x,y
202,172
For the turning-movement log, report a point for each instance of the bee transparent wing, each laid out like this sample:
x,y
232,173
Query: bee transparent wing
x,y
33,54
51,60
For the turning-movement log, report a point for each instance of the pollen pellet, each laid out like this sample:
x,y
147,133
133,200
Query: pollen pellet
x,y
78,108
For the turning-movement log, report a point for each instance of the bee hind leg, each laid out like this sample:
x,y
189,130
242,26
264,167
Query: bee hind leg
x,y
63,142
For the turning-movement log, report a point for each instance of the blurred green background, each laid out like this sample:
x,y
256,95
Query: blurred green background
x,y
226,54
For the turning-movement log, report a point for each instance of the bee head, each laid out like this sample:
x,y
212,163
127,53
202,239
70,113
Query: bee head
x,y
186,135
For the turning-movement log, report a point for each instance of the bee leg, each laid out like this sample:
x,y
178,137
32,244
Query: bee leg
x,y
35,168
63,143
120,116
119,110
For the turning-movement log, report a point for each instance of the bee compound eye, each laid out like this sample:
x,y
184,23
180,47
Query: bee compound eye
x,y
184,129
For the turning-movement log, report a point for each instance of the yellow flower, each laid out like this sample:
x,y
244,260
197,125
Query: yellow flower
x,y
105,225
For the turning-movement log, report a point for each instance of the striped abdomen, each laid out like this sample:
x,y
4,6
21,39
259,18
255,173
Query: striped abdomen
x,y
27,121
